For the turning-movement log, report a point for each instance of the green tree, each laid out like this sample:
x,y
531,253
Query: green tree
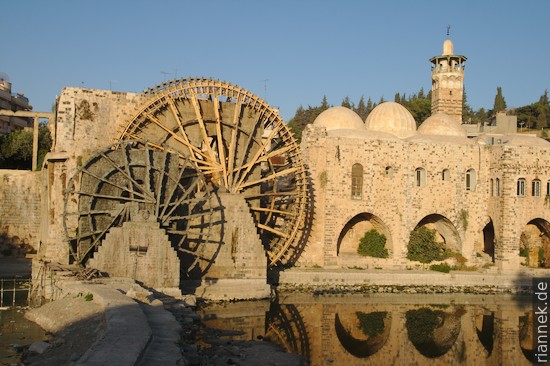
x,y
467,112
362,109
16,148
303,117
347,103
373,244
423,247
499,104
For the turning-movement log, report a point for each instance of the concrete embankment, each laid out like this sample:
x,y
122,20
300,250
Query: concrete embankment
x,y
130,326
413,281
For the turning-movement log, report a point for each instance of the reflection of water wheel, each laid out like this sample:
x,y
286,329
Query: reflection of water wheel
x,y
132,181
286,327
241,145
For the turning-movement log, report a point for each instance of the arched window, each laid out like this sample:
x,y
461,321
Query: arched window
x,y
521,187
356,181
497,187
420,177
535,188
548,188
491,188
446,174
471,180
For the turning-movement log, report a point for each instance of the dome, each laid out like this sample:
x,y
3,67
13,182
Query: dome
x,y
393,118
448,47
441,124
336,118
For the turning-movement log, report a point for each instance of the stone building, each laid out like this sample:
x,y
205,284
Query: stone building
x,y
13,102
487,197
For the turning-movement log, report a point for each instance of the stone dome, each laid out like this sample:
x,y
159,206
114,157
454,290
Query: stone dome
x,y
336,118
441,124
393,118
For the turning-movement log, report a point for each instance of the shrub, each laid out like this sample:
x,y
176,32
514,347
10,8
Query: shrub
x,y
373,244
523,252
423,247
443,267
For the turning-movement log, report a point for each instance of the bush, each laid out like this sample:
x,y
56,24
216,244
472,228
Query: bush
x,y
443,267
372,244
423,247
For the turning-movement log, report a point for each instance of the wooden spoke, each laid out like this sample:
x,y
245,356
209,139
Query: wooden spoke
x,y
141,178
239,144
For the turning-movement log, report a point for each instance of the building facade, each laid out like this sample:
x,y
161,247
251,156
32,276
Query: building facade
x,y
13,102
487,197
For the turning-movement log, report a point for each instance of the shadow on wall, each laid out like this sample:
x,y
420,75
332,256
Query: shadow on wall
x,y
13,246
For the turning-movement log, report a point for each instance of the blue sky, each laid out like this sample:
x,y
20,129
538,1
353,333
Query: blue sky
x,y
304,49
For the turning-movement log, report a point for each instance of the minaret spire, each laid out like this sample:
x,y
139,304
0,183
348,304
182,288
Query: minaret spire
x,y
448,81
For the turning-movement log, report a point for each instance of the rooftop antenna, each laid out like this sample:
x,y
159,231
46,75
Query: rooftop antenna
x,y
448,31
164,73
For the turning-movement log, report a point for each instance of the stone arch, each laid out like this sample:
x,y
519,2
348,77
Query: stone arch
x,y
354,229
363,334
489,239
446,231
534,243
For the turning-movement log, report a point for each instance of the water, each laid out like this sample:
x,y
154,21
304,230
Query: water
x,y
18,331
387,329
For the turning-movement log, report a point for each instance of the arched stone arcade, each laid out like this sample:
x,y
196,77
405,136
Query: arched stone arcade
x,y
355,229
446,231
534,243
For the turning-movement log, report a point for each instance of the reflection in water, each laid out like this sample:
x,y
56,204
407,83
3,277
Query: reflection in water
x,y
485,331
526,334
433,332
286,327
374,327
387,329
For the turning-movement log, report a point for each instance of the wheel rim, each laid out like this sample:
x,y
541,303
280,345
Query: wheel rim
x,y
240,144
131,181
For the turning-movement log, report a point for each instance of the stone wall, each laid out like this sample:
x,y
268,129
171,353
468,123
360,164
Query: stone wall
x,y
391,197
20,195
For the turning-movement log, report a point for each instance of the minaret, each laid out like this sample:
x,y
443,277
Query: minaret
x,y
448,82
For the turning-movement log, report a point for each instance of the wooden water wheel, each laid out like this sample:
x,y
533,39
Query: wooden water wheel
x,y
240,144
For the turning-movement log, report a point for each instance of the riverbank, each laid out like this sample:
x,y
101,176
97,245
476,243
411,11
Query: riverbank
x,y
115,321
321,280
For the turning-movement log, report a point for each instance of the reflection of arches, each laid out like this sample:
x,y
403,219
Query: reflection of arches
x,y
446,230
526,335
485,329
489,240
353,231
433,332
535,243
356,340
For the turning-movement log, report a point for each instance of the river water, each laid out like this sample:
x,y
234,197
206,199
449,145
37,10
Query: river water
x,y
387,329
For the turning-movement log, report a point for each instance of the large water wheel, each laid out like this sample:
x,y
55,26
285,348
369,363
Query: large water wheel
x,y
132,181
239,144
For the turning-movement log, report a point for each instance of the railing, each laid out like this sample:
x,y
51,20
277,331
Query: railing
x,y
14,292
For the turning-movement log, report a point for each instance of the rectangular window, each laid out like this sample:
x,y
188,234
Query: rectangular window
x,y
356,183
521,187
535,188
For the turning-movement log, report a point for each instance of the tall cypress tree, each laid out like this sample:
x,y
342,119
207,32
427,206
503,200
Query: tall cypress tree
x,y
500,103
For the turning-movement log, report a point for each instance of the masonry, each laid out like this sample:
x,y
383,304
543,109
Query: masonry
x,y
20,211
